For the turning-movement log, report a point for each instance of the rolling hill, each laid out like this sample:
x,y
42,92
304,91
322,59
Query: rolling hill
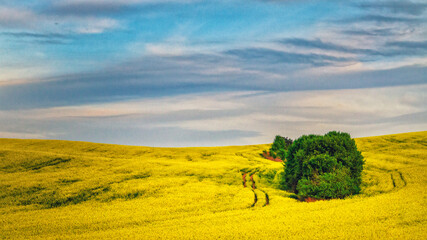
x,y
53,189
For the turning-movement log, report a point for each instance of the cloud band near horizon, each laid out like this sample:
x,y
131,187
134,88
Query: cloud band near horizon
x,y
115,61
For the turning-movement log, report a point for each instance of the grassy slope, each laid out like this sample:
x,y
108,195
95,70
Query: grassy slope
x,y
61,189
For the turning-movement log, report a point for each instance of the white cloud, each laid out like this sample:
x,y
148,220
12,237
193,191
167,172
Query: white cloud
x,y
22,135
17,18
96,25
164,49
26,19
361,112
144,107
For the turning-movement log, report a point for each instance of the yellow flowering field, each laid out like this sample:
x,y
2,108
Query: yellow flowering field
x,y
78,190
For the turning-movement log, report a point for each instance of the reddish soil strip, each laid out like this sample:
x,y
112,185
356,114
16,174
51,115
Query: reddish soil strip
x,y
310,199
269,157
244,179
253,182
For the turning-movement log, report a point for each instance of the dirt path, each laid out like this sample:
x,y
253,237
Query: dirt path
x,y
253,188
253,182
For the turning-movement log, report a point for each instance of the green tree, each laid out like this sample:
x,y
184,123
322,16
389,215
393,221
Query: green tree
x,y
328,166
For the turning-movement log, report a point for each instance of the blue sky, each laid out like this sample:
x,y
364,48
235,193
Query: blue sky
x,y
205,73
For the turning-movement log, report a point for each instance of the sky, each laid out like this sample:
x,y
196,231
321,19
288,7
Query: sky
x,y
176,73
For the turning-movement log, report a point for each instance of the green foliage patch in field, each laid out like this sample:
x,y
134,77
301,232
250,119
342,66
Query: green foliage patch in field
x,y
323,167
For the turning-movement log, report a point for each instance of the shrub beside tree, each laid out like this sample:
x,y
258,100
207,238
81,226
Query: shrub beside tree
x,y
280,146
323,167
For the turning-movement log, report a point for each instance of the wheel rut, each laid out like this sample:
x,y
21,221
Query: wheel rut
x,y
403,179
397,179
255,198
395,176
254,189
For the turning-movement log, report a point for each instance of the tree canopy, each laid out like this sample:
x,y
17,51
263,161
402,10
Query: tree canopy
x,y
323,167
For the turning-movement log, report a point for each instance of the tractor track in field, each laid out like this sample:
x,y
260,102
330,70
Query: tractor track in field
x,y
253,188
253,182
255,198
396,177
244,179
267,198
403,179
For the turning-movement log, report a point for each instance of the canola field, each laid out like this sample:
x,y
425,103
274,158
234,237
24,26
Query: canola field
x,y
78,190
